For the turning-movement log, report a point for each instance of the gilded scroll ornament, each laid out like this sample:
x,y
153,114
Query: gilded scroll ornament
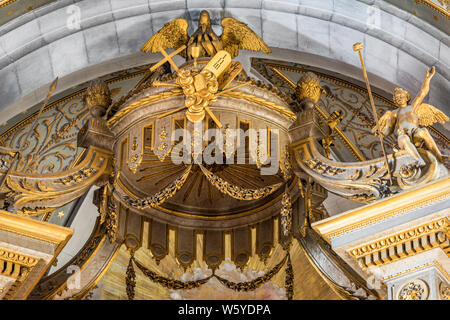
x,y
112,220
204,42
30,191
236,191
139,103
286,214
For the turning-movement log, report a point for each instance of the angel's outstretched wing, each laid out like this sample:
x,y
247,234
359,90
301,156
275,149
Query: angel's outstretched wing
x,y
386,123
172,36
236,35
428,114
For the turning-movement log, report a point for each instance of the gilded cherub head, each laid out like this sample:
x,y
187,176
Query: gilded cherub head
x,y
401,97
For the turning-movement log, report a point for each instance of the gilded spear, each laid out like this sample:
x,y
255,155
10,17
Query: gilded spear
x,y
358,47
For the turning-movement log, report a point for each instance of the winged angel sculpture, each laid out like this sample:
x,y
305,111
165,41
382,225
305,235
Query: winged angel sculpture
x,y
409,121
236,35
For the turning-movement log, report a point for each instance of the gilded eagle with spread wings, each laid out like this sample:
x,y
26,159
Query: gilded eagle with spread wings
x,y
204,42
410,121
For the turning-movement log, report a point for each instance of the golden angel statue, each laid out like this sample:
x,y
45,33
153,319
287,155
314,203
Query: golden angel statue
x,y
409,121
236,35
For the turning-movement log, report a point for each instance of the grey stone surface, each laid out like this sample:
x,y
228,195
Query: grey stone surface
x,y
336,204
53,6
163,6
379,53
23,40
279,29
391,29
10,89
53,25
252,17
123,9
95,14
313,35
250,4
133,32
102,42
361,14
341,43
281,6
444,54
422,39
205,4
34,68
68,54
439,94
5,60
159,19
410,72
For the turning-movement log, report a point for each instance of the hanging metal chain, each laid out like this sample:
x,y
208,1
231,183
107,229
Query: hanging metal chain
x,y
289,280
131,278
171,283
186,285
306,192
254,284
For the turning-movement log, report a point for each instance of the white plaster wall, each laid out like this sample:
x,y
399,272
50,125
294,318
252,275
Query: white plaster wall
x,y
37,47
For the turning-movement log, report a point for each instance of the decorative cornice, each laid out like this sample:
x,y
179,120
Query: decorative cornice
x,y
402,244
9,256
35,229
381,210
433,263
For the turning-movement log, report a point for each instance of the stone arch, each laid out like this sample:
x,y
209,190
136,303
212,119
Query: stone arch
x,y
38,46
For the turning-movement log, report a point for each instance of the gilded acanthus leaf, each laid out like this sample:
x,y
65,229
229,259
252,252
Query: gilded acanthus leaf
x,y
428,115
237,35
237,192
172,36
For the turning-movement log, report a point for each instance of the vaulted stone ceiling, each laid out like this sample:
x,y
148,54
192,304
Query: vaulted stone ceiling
x,y
34,47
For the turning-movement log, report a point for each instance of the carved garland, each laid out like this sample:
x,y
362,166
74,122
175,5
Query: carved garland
x,y
160,197
237,192
186,285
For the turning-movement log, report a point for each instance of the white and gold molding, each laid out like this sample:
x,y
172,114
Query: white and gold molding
x,y
382,210
27,249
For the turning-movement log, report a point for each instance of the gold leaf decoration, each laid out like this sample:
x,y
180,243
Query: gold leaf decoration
x,y
160,197
236,191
